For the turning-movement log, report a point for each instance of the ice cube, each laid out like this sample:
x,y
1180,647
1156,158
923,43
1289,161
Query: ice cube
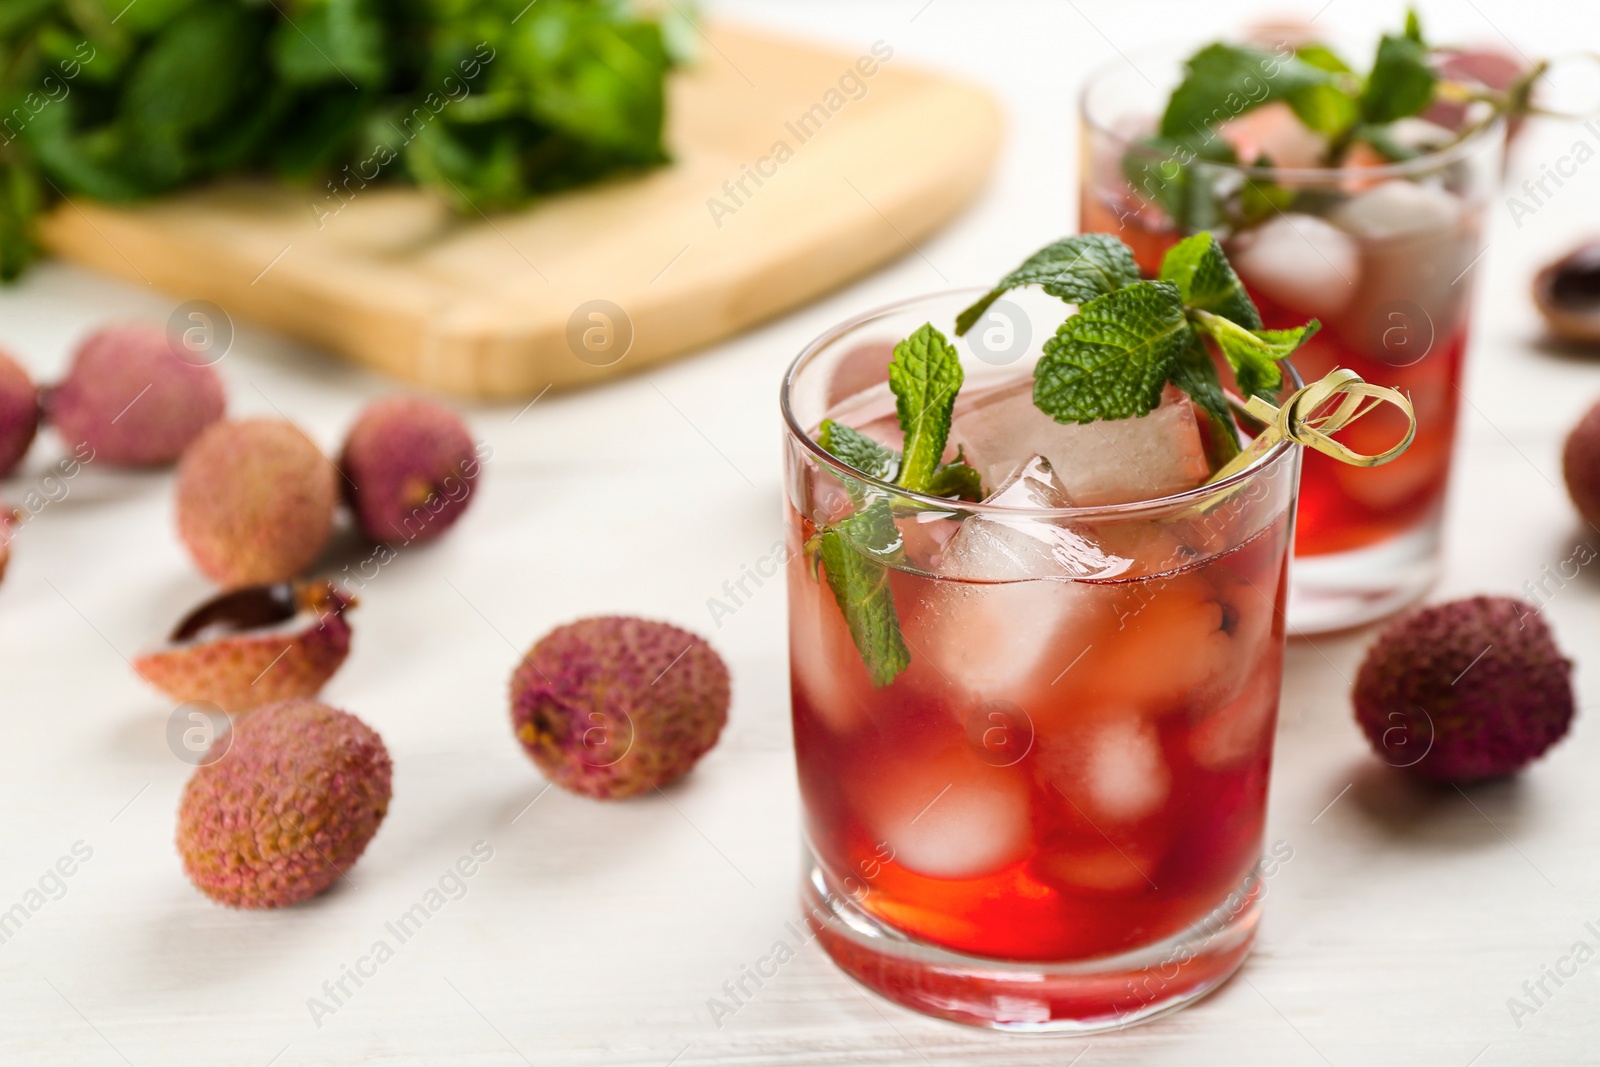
x,y
1109,771
1239,729
946,814
1309,266
1274,131
859,369
1397,209
999,549
1108,462
825,668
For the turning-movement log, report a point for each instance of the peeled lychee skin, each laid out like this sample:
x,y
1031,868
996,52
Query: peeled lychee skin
x,y
255,501
409,467
19,413
613,706
1477,685
132,401
1580,465
239,672
287,810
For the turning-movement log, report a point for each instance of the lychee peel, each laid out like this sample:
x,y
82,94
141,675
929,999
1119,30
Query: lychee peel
x,y
19,413
255,501
410,467
1464,691
236,652
133,401
287,810
1580,465
613,706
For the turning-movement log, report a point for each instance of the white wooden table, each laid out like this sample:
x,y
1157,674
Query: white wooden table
x,y
598,932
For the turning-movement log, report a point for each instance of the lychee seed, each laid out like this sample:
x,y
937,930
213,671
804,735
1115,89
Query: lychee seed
x,y
254,646
255,501
288,810
613,706
131,400
1464,691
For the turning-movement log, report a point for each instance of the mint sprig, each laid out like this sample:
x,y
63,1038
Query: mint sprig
x,y
857,553
856,450
924,375
1076,269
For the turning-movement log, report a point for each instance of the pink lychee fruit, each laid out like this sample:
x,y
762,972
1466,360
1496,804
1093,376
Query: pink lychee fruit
x,y
19,413
133,401
1580,466
409,467
1464,691
254,646
613,706
287,810
255,501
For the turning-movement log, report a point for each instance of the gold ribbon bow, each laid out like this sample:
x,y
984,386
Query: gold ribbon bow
x,y
1297,420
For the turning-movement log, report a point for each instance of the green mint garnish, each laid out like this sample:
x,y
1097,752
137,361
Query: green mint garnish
x,y
1401,83
1077,269
1206,280
856,450
1222,81
925,375
857,553
1111,359
957,479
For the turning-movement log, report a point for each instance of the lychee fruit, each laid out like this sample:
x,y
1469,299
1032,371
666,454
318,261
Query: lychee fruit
x,y
409,467
254,646
1464,691
288,810
19,413
613,706
1580,465
255,501
133,401
9,520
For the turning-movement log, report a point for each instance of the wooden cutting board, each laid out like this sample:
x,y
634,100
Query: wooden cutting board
x,y
796,168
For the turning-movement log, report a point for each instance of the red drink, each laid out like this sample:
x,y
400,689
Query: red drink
x,y
1052,817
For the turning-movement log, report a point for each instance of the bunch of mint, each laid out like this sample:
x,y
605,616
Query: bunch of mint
x,y
488,102
1327,95
1128,339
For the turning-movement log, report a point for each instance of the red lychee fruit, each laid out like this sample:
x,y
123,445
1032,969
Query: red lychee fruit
x,y
19,413
409,467
1463,691
288,810
132,400
1580,465
613,706
254,646
255,501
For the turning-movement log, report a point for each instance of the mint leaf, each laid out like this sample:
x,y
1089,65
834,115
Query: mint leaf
x,y
1401,83
1254,354
1170,173
1077,269
1413,25
1205,280
1111,359
1223,81
1327,109
957,479
924,375
858,451
1260,199
1196,375
855,554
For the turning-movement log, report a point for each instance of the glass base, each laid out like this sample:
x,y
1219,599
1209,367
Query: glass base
x,y
1080,997
1345,589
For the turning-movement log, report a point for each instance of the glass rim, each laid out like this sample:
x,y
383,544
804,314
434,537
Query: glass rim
x,y
1461,148
1171,501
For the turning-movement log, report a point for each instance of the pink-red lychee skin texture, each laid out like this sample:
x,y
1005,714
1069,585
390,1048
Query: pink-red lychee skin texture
x,y
287,810
132,401
1478,685
410,468
19,413
239,672
256,501
1580,466
613,706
